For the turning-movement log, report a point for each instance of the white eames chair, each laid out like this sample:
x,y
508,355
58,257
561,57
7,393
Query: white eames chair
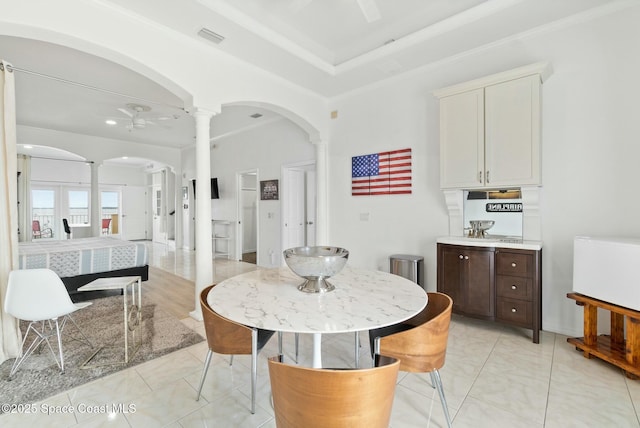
x,y
40,297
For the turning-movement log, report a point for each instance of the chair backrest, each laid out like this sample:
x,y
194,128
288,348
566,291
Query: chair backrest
x,y
325,398
35,225
223,335
105,223
37,294
422,348
65,224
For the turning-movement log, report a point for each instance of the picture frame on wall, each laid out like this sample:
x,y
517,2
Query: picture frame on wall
x,y
269,190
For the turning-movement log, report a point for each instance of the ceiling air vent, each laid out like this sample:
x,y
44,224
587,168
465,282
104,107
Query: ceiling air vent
x,y
210,35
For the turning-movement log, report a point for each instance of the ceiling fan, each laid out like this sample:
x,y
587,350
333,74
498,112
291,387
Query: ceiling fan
x,y
369,8
135,113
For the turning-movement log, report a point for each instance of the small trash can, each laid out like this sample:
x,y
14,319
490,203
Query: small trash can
x,y
408,266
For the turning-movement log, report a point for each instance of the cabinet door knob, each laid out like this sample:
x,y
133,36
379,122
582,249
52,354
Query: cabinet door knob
x,y
466,257
461,257
513,264
479,176
487,176
513,310
513,287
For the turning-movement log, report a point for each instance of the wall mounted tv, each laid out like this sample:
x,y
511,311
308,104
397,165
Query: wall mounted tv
x,y
215,194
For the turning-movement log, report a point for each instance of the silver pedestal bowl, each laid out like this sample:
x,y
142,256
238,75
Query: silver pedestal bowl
x,y
316,264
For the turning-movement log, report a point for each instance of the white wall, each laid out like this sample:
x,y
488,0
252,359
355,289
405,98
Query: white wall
x,y
590,152
266,149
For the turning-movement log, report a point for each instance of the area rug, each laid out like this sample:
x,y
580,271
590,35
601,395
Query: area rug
x,y
39,377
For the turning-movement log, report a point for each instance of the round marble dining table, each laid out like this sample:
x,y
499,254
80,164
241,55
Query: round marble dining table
x,y
362,300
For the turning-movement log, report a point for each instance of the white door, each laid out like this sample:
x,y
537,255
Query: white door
x,y
134,213
294,220
311,208
159,231
247,230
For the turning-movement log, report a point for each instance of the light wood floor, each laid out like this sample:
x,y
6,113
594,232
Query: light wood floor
x,y
171,283
170,292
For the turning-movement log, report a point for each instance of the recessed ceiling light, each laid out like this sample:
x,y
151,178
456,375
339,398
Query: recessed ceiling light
x,y
110,122
125,157
28,147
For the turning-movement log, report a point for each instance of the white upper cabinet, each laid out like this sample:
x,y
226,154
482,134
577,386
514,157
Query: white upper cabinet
x,y
490,130
512,132
462,140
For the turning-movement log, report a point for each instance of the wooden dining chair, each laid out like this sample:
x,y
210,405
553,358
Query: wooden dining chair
x,y
231,338
333,398
420,343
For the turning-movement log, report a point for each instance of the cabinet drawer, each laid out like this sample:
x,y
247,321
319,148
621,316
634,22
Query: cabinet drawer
x,y
514,264
514,287
515,312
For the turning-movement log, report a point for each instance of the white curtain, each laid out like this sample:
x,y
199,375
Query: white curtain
x,y
10,339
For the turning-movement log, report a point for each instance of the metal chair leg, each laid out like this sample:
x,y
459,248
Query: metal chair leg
x,y
254,368
30,350
357,346
84,339
59,345
204,372
437,381
297,341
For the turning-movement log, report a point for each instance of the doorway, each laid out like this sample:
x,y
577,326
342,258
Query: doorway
x,y
134,213
299,205
247,235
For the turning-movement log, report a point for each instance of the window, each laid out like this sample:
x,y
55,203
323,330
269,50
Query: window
x,y
43,207
78,207
109,203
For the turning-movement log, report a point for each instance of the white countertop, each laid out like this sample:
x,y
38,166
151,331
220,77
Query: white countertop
x,y
362,300
497,242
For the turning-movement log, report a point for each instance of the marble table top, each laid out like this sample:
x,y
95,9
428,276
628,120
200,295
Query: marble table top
x,y
363,299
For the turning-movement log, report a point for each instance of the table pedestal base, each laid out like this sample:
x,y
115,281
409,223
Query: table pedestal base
x,y
317,351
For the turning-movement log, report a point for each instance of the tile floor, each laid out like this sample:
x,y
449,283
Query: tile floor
x,y
493,377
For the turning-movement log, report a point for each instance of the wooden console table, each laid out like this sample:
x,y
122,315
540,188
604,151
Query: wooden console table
x,y
612,348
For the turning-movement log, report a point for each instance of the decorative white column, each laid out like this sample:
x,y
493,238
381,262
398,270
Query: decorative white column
x,y
322,208
96,222
455,205
531,218
204,250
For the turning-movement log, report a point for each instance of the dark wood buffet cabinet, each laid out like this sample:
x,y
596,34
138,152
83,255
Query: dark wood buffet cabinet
x,y
493,283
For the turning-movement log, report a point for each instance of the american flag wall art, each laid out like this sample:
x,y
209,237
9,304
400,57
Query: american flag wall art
x,y
385,173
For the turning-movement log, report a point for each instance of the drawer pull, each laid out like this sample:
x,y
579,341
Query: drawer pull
x,y
513,310
513,264
513,287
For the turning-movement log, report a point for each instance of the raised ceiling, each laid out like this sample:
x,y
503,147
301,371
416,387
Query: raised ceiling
x,y
333,46
330,47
